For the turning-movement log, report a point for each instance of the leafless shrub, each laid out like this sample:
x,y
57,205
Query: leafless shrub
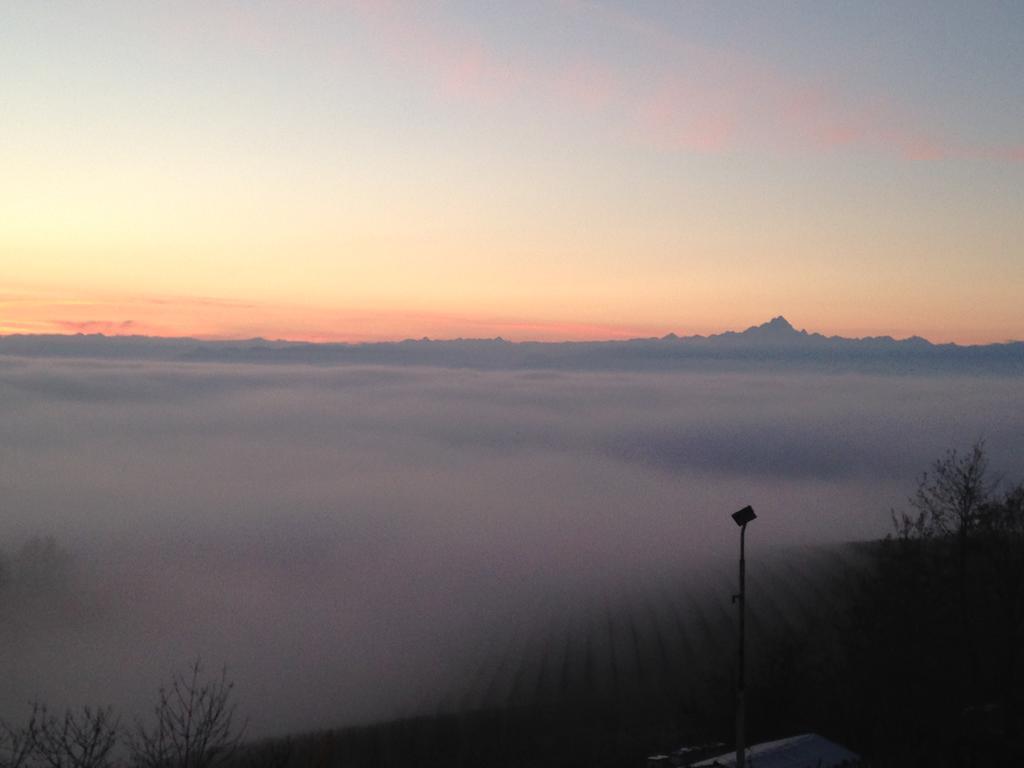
x,y
83,739
15,746
194,724
951,497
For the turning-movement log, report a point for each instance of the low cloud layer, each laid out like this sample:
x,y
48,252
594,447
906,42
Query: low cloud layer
x,y
352,541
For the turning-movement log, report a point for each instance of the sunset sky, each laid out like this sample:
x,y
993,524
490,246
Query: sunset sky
x,y
536,170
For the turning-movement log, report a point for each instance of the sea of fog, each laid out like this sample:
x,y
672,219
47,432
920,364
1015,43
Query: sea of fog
x,y
350,541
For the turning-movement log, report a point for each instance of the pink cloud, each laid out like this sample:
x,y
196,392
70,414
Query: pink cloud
x,y
703,100
586,85
683,113
699,99
1014,153
919,147
812,113
1011,153
455,63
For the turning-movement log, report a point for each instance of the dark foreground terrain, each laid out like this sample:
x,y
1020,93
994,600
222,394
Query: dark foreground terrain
x,y
905,650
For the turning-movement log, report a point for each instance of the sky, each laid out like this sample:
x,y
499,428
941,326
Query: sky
x,y
332,170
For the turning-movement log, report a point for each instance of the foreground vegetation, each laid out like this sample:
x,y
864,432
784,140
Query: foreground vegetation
x,y
193,726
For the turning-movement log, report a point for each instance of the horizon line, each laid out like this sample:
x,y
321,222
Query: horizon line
x,y
321,340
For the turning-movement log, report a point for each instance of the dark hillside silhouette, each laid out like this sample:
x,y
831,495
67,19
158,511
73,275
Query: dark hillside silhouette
x,y
866,644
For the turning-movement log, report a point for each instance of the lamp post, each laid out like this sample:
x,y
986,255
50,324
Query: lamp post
x,y
741,519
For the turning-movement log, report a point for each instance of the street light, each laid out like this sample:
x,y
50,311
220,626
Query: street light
x,y
741,519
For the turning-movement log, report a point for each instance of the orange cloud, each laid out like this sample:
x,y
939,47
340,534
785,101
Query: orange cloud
x,y
108,327
214,318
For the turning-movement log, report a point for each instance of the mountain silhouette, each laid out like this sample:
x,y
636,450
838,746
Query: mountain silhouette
x,y
777,331
776,328
776,344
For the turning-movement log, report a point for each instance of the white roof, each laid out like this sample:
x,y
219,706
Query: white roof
x,y
809,750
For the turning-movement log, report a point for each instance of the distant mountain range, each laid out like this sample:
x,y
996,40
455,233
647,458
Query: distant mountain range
x,y
773,344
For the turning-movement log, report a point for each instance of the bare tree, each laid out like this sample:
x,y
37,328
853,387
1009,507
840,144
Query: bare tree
x,y
78,740
950,498
952,501
15,746
194,727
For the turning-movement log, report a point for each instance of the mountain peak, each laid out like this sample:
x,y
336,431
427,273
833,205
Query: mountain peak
x,y
776,329
778,323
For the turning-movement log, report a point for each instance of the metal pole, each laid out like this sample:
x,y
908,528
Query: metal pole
x,y
741,683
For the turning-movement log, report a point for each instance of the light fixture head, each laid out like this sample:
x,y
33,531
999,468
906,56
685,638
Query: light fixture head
x,y
744,516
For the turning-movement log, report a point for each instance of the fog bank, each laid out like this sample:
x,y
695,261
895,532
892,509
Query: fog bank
x,y
353,541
